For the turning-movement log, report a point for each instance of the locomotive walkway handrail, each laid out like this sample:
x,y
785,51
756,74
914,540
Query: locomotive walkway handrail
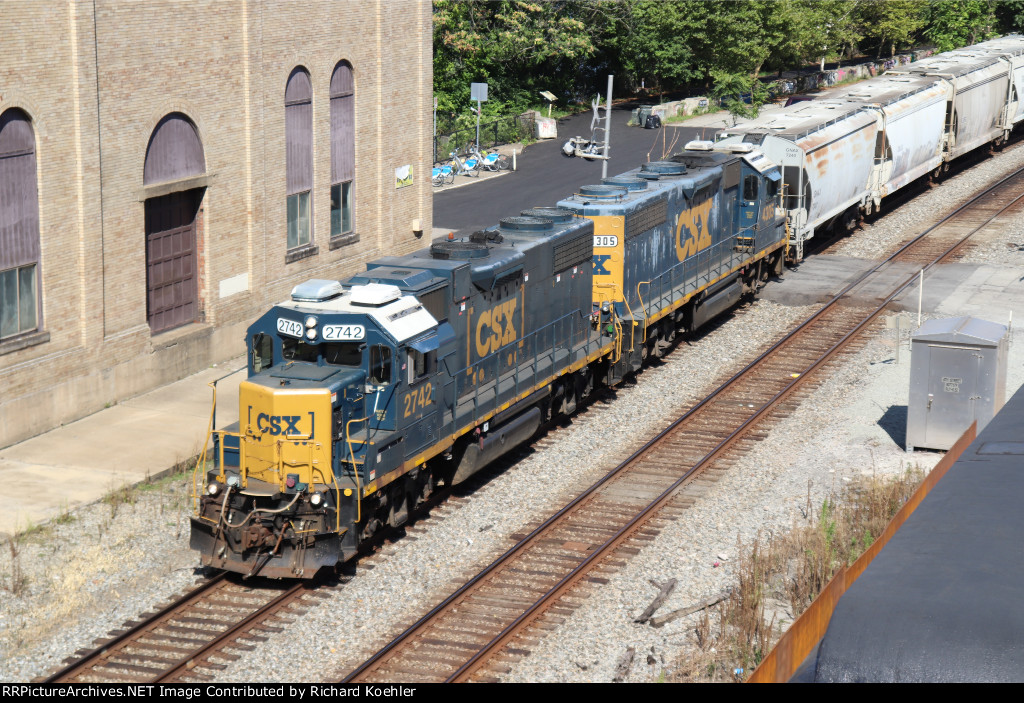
x,y
570,578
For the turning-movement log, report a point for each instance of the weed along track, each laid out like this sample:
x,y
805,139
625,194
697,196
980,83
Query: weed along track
x,y
497,615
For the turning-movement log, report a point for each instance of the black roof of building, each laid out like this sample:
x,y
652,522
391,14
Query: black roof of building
x,y
942,600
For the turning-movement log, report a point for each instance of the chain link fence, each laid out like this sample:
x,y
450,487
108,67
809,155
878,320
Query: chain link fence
x,y
504,130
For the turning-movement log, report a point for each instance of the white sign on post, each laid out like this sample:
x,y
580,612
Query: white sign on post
x,y
478,92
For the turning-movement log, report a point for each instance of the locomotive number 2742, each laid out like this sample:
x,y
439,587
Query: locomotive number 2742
x,y
418,399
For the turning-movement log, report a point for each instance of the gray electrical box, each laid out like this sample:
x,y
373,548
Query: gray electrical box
x,y
957,376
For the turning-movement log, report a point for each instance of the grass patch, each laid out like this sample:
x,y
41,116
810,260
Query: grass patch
x,y
65,517
126,494
779,576
17,580
675,119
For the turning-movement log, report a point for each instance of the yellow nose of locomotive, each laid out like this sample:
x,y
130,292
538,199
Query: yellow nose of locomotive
x,y
286,434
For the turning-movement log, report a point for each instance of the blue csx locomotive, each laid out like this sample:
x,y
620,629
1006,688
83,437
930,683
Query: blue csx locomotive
x,y
364,395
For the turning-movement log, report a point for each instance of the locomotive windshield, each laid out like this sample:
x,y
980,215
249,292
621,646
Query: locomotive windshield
x,y
332,353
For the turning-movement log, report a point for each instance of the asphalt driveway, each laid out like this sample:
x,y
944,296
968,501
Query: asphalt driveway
x,y
544,176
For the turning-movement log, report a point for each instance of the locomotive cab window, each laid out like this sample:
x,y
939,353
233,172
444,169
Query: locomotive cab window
x,y
298,350
750,188
262,352
331,353
342,353
772,189
380,365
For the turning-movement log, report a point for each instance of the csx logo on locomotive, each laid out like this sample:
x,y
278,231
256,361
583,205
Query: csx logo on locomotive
x,y
599,262
496,327
280,424
692,231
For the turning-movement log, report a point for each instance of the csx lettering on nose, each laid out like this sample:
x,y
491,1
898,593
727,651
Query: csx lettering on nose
x,y
278,424
496,327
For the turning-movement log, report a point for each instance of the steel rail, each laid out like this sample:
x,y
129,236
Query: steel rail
x,y
268,610
79,665
168,613
384,654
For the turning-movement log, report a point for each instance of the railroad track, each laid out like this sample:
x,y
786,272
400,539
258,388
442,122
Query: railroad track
x,y
189,639
496,616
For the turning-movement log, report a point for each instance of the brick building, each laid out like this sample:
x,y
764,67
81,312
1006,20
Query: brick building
x,y
170,169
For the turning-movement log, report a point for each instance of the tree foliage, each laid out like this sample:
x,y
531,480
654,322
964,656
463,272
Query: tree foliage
x,y
955,23
568,47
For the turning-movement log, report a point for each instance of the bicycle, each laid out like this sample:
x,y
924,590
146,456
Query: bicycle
x,y
489,161
469,167
442,174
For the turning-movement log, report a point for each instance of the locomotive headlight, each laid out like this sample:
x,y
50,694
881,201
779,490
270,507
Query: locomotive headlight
x,y
316,499
310,321
213,489
311,333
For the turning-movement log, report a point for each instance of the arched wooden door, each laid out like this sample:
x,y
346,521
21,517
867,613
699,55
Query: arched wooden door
x,y
172,259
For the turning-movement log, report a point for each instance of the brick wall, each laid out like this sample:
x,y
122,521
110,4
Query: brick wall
x,y
97,84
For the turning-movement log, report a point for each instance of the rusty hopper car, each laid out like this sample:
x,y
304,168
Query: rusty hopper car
x,y
364,395
827,152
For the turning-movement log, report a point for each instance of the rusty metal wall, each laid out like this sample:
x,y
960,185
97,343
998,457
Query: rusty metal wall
x,y
175,151
806,632
298,125
19,199
343,125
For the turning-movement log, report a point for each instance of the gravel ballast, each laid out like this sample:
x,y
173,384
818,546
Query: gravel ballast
x,y
86,576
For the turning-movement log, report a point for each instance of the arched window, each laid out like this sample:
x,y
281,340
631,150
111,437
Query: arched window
x,y
343,118
174,151
298,126
19,226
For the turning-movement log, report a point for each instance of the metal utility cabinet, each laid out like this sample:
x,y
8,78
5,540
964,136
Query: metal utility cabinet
x,y
957,375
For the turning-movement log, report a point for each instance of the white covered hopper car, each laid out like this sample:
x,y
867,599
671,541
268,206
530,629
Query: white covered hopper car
x,y
842,155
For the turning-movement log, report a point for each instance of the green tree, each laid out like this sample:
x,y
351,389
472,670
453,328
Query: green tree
x,y
1010,16
511,45
662,43
827,28
893,23
731,89
748,34
956,23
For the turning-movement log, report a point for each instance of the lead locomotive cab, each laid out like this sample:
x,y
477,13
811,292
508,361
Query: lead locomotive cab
x,y
285,494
